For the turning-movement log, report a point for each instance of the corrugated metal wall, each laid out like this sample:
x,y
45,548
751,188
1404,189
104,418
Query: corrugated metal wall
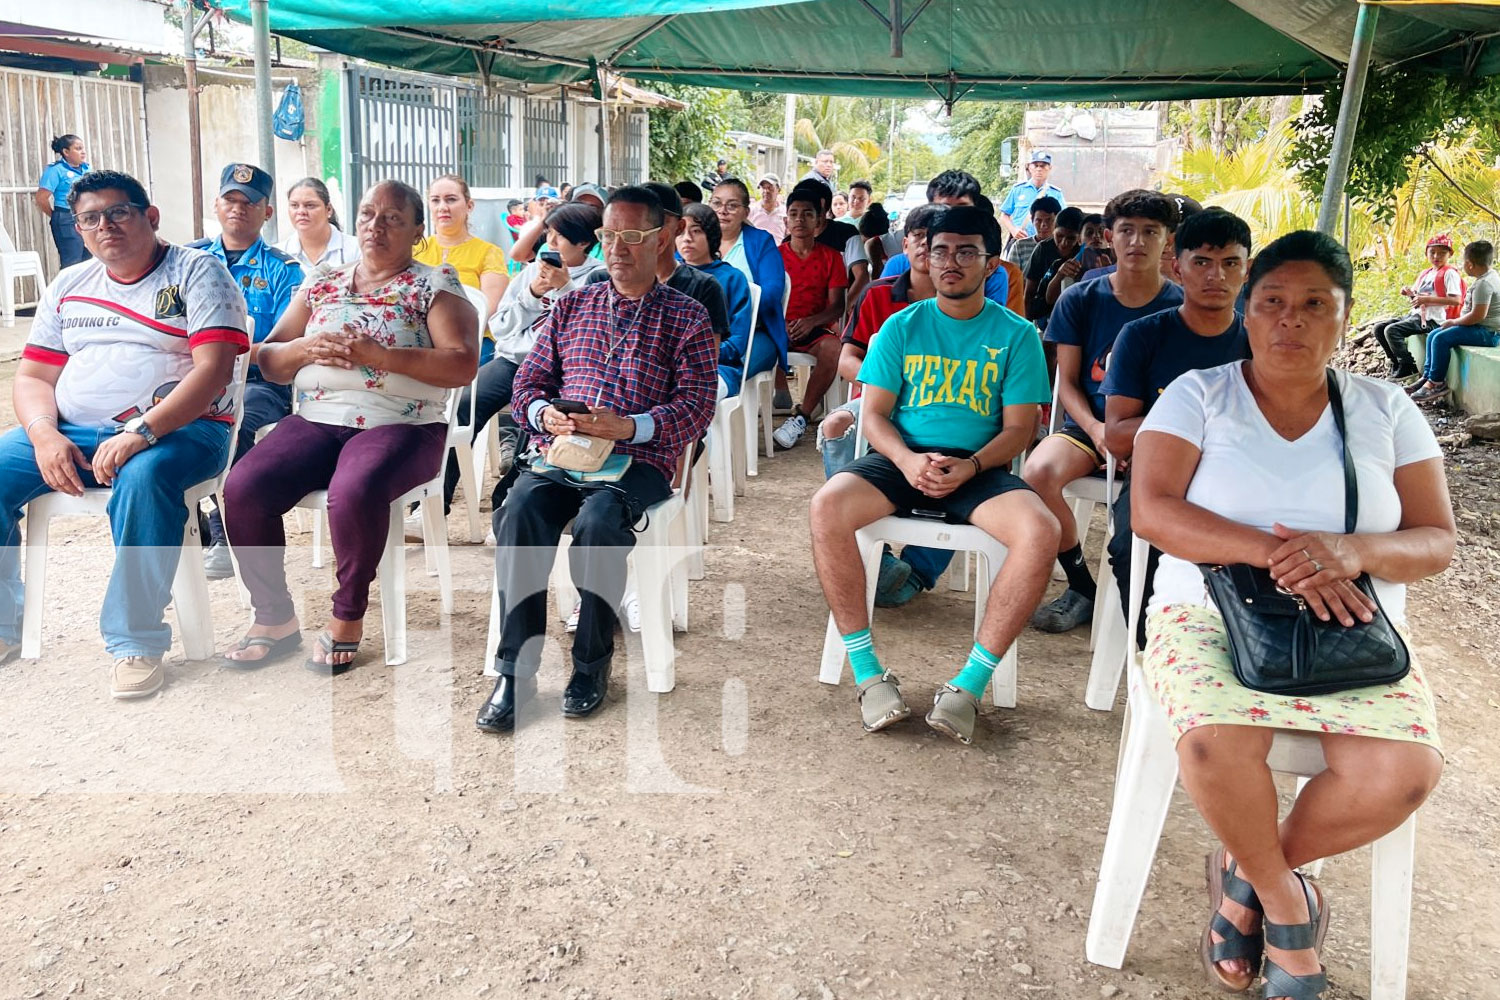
x,y
109,115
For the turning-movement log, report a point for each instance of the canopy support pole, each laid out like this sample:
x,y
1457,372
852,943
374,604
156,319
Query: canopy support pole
x,y
260,21
789,140
604,144
897,24
1343,136
191,27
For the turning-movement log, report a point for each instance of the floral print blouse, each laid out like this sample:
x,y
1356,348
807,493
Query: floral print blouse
x,y
394,314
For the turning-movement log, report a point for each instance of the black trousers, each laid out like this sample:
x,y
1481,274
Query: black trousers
x,y
1119,563
1391,335
527,530
496,377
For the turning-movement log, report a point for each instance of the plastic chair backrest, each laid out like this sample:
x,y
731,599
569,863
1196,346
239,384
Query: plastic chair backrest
x,y
750,341
7,245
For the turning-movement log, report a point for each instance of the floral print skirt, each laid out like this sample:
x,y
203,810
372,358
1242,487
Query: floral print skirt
x,y
1188,666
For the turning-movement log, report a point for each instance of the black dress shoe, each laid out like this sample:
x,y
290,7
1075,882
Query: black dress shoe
x,y
498,715
585,692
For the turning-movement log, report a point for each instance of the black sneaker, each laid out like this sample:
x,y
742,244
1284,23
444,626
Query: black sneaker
x,y
1064,614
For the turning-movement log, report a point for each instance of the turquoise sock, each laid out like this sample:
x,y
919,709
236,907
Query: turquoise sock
x,y
861,649
977,672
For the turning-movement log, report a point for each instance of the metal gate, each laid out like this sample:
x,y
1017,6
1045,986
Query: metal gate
x,y
110,117
627,150
411,127
546,130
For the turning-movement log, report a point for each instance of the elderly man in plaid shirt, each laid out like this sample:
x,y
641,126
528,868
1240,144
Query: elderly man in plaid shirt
x,y
642,357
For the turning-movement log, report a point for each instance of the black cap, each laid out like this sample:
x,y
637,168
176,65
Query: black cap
x,y
250,181
1185,206
671,201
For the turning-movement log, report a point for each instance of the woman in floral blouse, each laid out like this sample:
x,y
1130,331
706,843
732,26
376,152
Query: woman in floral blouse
x,y
1244,464
372,348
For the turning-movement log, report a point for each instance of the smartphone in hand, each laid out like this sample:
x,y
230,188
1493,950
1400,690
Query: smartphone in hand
x,y
569,406
551,257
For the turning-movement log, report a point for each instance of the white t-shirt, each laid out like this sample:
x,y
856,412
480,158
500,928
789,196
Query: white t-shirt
x,y
343,248
1427,284
123,346
1250,474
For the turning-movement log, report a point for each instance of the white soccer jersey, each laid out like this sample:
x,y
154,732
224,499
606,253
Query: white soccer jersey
x,y
123,346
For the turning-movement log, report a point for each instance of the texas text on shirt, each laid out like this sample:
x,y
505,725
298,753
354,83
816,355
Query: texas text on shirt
x,y
96,327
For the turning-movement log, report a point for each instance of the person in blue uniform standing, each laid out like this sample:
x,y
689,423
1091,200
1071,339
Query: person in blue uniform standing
x,y
267,277
52,197
1015,211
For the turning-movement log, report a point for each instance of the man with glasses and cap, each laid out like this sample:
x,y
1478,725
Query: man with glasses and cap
x,y
1017,204
267,277
629,361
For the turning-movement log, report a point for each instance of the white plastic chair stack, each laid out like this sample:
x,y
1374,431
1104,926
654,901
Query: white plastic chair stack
x,y
731,438
1145,777
659,580
15,265
189,585
961,538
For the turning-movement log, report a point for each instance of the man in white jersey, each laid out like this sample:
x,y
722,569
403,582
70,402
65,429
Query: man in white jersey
x,y
125,384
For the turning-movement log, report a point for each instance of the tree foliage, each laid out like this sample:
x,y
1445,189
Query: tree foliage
x,y
979,130
685,144
1403,111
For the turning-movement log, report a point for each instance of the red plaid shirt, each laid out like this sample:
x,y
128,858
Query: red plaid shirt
x,y
653,356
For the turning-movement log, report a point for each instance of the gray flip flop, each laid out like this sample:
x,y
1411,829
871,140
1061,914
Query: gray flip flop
x,y
276,650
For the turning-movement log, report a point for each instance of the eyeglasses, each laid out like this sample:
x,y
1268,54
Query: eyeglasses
x,y
630,237
963,256
117,215
729,206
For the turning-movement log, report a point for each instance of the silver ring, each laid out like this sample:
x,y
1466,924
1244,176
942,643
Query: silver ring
x,y
1317,566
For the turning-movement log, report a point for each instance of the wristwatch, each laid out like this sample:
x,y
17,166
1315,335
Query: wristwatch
x,y
137,425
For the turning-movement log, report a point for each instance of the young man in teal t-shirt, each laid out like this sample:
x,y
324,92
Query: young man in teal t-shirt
x,y
952,386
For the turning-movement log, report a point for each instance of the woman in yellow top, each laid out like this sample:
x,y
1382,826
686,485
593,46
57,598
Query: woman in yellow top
x,y
479,264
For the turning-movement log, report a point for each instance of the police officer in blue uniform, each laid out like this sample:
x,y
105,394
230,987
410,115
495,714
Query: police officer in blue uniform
x,y
268,278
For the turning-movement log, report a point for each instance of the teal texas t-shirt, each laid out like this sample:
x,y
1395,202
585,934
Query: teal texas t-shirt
x,y
952,378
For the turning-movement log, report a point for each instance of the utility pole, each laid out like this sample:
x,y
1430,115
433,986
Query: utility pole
x,y
260,21
190,29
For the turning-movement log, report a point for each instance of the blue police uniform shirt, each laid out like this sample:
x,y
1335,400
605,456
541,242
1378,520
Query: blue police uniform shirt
x,y
268,278
59,178
1018,201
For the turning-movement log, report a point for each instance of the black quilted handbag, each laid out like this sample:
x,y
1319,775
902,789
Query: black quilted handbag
x,y
1279,645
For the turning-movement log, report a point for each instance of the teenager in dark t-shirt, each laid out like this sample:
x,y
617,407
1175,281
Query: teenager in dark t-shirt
x,y
1206,331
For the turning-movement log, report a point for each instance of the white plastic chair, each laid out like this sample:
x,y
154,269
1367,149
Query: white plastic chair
x,y
15,265
189,585
461,432
961,538
1145,777
730,438
660,583
838,390
392,570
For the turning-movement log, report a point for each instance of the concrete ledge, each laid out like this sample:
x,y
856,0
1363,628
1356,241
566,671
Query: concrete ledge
x,y
1474,374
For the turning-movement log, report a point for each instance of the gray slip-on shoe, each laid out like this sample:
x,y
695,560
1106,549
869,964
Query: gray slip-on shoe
x,y
880,702
953,713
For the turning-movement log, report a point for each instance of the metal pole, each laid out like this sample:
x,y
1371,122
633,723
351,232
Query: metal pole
x,y
604,137
195,141
1343,136
260,21
789,137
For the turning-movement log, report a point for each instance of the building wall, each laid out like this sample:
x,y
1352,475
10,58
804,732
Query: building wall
x,y
226,112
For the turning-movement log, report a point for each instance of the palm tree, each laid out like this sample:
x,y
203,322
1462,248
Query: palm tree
x,y
836,124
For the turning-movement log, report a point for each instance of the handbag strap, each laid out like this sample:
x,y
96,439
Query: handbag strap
x,y
1351,481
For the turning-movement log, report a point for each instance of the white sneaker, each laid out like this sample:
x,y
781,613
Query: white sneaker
x,y
412,526
631,606
790,431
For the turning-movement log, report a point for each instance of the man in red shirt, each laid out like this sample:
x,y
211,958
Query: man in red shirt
x,y
817,279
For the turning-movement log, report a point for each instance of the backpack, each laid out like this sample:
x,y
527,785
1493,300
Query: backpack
x,y
288,121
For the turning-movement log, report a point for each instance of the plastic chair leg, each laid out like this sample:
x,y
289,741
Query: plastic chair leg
x,y
318,517
470,485
1143,793
1391,865
393,591
562,580
1111,648
37,526
654,586
1105,576
190,594
959,572
767,390
721,465
435,531
492,639
1003,682
831,669
741,446
677,559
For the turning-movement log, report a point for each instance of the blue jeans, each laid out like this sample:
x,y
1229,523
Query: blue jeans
x,y
146,518
926,564
1441,342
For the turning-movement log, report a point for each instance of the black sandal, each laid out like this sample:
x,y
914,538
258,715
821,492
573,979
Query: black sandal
x,y
276,650
332,647
1296,937
1225,883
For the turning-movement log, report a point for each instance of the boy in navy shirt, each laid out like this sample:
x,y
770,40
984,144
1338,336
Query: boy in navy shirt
x,y
1206,331
1084,324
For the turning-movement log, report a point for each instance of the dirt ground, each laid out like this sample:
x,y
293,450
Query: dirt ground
x,y
276,834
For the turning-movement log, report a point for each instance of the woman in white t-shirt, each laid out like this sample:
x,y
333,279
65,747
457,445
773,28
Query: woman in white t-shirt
x,y
1243,464
372,348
